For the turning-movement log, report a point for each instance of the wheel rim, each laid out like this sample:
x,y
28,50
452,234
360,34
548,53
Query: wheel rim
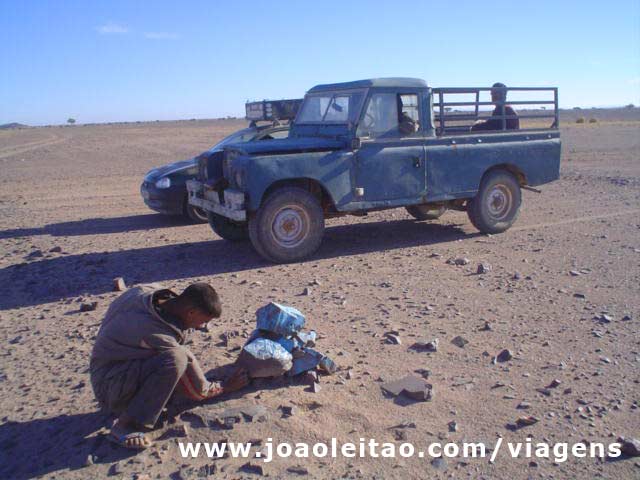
x,y
200,214
499,202
290,226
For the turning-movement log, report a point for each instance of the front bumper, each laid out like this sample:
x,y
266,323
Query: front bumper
x,y
232,206
169,201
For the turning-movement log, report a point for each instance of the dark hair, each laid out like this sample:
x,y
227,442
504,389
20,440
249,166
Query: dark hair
x,y
497,89
204,297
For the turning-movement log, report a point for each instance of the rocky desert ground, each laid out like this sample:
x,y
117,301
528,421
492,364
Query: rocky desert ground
x,y
561,294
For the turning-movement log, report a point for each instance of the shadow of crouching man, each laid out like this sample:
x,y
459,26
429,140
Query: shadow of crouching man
x,y
45,446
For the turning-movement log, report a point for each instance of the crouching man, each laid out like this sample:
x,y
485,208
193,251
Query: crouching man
x,y
139,359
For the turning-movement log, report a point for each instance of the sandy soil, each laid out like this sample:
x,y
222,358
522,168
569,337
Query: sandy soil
x,y
77,188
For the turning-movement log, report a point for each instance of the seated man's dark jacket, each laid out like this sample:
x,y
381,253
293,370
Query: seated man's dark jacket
x,y
496,123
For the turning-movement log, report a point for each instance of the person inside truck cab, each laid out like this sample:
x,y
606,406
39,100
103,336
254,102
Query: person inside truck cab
x,y
499,99
406,123
390,115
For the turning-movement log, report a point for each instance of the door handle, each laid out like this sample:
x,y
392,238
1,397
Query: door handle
x,y
416,162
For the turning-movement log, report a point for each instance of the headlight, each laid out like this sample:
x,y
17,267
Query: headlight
x,y
239,177
164,182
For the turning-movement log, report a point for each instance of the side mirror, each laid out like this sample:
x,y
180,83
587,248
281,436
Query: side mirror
x,y
355,143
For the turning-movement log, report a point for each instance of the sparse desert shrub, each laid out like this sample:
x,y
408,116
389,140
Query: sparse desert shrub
x,y
71,121
580,120
630,106
593,120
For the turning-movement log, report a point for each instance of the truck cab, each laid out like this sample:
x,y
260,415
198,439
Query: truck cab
x,y
375,144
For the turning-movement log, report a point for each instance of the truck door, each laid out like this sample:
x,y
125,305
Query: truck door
x,y
390,164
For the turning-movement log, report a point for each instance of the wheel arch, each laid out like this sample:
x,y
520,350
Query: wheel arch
x,y
310,184
511,168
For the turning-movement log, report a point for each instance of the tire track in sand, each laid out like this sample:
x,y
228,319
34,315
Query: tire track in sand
x,y
27,147
587,218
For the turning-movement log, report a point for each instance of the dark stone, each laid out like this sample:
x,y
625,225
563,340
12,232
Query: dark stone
x,y
298,470
254,468
430,347
439,463
287,410
526,421
410,386
88,307
484,268
504,356
460,341
629,446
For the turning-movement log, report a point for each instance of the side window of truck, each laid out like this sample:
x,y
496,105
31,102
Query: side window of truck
x,y
409,107
387,114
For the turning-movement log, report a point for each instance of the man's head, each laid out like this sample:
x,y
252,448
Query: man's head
x,y
498,92
197,304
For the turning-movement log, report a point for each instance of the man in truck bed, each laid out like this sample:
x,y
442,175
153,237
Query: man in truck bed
x,y
499,97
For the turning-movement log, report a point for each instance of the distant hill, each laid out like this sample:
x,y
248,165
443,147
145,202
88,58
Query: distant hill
x,y
11,126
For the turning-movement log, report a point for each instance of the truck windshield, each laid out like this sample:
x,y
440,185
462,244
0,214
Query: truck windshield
x,y
331,107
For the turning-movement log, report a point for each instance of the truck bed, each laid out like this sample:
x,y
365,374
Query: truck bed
x,y
456,163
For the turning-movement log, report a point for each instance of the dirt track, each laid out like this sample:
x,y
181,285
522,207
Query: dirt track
x,y
77,188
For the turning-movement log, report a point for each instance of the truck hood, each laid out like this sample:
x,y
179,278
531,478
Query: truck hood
x,y
289,145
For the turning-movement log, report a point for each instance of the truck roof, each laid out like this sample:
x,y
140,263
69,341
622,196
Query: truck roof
x,y
395,82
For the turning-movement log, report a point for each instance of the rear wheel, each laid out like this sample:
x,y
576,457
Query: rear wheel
x,y
426,212
497,204
288,226
228,229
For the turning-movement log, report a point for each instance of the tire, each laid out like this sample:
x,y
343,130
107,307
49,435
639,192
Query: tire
x,y
228,229
288,226
496,206
195,214
426,212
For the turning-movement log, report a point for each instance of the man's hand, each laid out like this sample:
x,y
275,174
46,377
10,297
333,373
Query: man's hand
x,y
236,381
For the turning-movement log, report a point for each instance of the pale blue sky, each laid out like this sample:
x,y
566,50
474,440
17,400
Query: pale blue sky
x,y
134,60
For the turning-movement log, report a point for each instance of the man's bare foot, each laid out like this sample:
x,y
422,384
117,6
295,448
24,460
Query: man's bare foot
x,y
125,434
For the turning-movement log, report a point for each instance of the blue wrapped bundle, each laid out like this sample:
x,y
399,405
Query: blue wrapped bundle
x,y
305,360
278,346
279,319
265,358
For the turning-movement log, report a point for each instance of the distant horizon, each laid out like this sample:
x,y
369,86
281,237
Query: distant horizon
x,y
231,117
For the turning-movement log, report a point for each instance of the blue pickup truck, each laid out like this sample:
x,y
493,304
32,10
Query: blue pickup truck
x,y
377,144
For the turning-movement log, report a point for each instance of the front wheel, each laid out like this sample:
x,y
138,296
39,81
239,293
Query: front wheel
x,y
426,212
288,227
195,214
228,229
497,204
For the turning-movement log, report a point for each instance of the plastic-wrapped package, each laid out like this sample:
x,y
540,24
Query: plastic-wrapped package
x,y
279,319
289,344
278,346
305,360
265,358
307,339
